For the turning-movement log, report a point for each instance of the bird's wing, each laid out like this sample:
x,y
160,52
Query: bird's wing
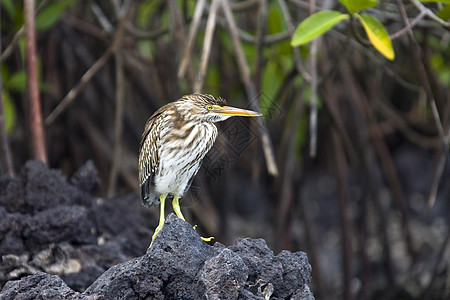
x,y
148,158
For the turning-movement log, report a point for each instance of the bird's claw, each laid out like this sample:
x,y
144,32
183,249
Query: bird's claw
x,y
208,239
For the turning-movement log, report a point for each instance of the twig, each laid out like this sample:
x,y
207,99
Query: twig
x,y
246,37
209,34
12,45
75,91
287,181
36,126
429,13
358,37
142,34
199,8
86,27
312,237
301,4
383,152
250,88
243,5
118,125
313,70
178,32
260,32
438,170
344,214
424,79
102,19
313,113
399,123
20,33
370,182
87,76
102,151
331,102
409,26
120,100
291,28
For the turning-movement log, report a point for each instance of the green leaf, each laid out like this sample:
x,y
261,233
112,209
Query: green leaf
x,y
17,82
272,79
145,12
377,35
9,111
51,14
316,25
444,13
9,7
275,20
357,5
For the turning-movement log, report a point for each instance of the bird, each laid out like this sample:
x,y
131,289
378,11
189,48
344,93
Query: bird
x,y
175,140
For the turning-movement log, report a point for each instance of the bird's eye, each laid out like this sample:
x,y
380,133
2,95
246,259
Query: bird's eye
x,y
209,107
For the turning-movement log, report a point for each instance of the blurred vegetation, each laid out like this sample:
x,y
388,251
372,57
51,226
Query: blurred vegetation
x,y
360,142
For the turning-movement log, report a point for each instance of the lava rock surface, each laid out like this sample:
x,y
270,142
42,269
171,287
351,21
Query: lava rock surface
x,y
49,225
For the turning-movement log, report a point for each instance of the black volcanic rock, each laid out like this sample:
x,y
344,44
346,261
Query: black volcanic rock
x,y
51,224
38,286
180,265
59,242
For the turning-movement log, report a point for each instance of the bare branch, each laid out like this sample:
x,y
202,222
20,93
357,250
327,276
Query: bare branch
x,y
102,19
36,126
250,89
75,91
409,26
20,33
87,76
297,57
429,13
118,125
313,70
260,32
423,76
246,37
209,34
199,8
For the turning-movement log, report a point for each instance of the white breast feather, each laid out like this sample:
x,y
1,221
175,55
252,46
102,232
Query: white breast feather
x,y
176,166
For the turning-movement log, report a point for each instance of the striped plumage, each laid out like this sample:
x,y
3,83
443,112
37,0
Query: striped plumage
x,y
175,141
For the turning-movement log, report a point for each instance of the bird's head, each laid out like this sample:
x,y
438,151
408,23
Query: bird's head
x,y
208,108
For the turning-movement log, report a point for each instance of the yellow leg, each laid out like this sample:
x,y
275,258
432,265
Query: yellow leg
x,y
176,207
162,217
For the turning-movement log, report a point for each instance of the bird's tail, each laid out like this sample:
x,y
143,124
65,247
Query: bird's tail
x,y
148,195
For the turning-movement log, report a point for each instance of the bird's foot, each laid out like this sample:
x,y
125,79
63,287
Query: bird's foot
x,y
208,239
158,229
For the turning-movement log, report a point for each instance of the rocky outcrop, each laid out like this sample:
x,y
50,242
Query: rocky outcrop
x,y
56,227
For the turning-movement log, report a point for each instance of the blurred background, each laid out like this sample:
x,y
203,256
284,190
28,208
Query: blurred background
x,y
349,165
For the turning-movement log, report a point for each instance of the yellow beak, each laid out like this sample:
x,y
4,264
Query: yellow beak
x,y
233,111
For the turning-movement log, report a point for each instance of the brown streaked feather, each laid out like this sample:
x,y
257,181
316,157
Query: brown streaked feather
x,y
177,121
148,154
